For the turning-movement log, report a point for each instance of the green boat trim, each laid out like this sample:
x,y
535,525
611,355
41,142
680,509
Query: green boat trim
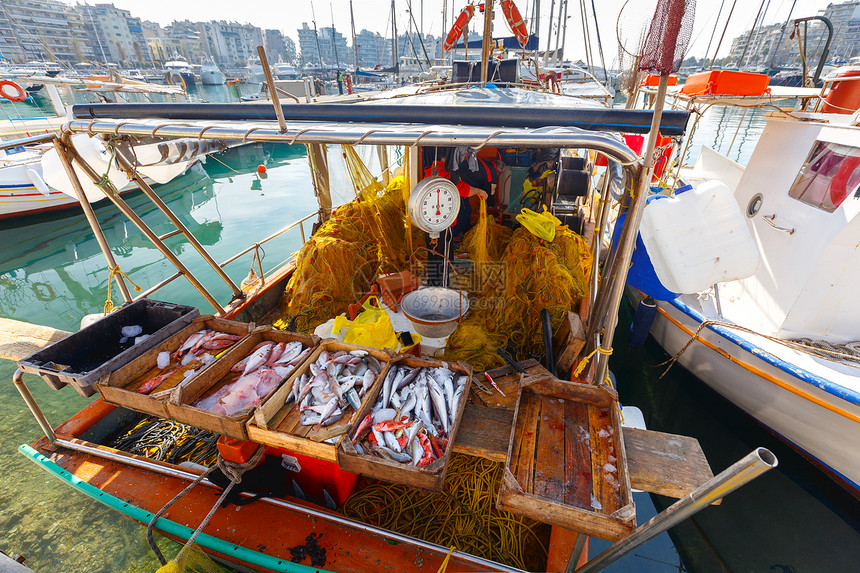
x,y
165,525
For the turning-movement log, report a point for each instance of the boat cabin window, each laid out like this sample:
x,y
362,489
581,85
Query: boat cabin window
x,y
829,176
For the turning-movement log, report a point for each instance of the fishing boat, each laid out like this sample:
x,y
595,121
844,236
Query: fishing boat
x,y
779,339
25,189
375,202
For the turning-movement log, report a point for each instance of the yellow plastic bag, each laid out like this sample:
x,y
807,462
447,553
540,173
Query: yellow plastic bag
x,y
541,225
371,327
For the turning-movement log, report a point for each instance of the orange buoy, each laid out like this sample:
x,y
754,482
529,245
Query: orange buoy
x,y
844,96
19,93
261,168
457,29
515,21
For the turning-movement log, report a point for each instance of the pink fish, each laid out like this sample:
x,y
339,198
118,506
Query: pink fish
x,y
219,341
189,343
258,358
269,380
276,353
291,350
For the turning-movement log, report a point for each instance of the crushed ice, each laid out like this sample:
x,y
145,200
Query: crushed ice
x,y
131,331
163,360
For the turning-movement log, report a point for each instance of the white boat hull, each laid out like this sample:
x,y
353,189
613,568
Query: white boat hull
x,y
798,406
18,196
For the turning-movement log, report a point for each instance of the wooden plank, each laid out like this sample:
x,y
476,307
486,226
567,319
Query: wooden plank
x,y
548,473
484,432
21,339
508,379
667,464
604,482
577,457
525,438
568,350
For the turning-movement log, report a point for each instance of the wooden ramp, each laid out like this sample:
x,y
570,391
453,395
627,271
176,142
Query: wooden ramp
x,y
21,339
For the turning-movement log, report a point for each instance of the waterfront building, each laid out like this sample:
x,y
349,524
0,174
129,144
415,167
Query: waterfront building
x,y
772,46
323,44
370,47
231,43
114,34
43,30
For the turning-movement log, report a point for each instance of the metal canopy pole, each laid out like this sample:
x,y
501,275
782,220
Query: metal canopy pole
x,y
741,472
162,206
18,380
150,234
273,92
91,218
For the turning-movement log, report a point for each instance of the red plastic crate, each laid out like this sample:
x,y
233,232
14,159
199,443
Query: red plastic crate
x,y
314,475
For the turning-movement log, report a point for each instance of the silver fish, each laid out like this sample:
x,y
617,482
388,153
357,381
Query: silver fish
x,y
373,364
410,403
448,387
359,353
417,452
378,435
438,400
408,378
358,448
396,455
386,386
334,418
391,441
353,399
308,419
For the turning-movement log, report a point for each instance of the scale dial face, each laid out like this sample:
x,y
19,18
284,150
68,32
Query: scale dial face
x,y
434,204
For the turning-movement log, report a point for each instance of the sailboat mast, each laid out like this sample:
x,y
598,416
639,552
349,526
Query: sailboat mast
x,y
354,43
317,38
488,37
394,53
549,34
334,39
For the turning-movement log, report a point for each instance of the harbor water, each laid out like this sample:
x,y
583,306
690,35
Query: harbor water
x,y
792,520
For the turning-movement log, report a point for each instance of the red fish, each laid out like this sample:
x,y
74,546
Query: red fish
x,y
390,426
363,427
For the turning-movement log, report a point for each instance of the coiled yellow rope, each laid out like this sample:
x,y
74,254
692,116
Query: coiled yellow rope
x,y
462,516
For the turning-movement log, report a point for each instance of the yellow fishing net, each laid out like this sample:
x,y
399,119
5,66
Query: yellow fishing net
x,y
361,240
463,515
483,243
534,274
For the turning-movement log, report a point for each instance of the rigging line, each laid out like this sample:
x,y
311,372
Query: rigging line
x,y
775,51
714,31
723,35
750,37
586,36
599,43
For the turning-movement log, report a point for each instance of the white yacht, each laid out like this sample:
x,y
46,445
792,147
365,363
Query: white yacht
x,y
178,71
210,74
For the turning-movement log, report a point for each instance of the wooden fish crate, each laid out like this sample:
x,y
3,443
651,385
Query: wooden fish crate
x,y
276,423
566,439
218,374
431,477
120,387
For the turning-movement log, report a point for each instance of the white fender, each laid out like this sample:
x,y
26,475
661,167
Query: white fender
x,y
93,151
37,181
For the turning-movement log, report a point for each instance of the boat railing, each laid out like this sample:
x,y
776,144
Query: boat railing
x,y
253,247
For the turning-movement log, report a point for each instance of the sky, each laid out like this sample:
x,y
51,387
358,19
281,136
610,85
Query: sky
x,y
374,15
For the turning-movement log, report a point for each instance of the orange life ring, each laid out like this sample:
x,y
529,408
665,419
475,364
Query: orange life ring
x,y
839,184
457,29
20,96
232,82
515,21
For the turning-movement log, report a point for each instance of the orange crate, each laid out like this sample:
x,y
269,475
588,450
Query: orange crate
x,y
652,80
725,82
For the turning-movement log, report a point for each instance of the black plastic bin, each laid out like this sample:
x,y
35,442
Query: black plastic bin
x,y
87,356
